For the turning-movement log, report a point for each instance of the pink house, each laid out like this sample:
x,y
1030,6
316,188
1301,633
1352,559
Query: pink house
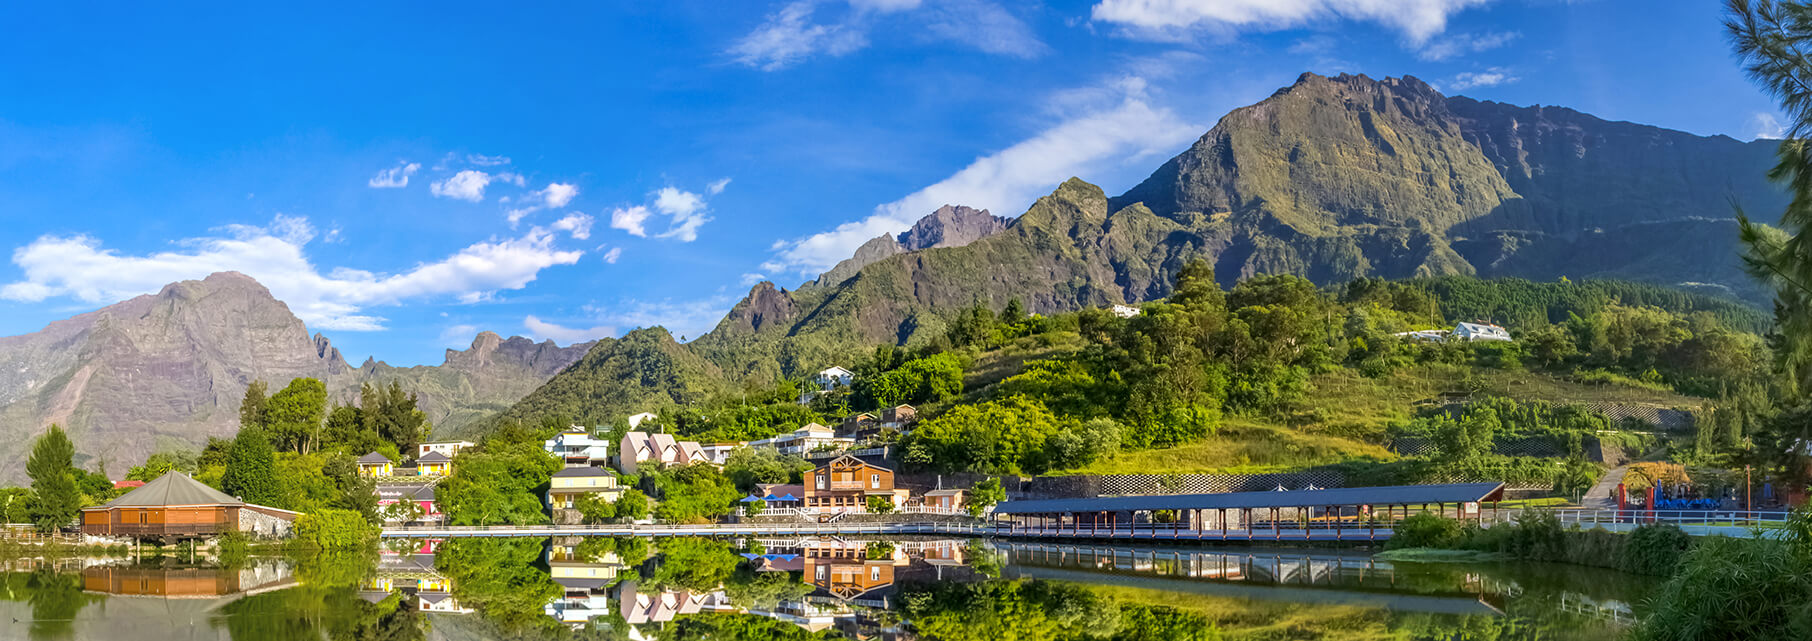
x,y
639,448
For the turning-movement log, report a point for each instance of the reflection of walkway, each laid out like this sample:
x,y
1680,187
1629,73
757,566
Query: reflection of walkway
x,y
1604,494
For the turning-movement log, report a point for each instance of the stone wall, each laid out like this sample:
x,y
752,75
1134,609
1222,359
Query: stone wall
x,y
259,525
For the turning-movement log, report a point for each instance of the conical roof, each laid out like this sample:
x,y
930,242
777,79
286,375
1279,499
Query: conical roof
x,y
173,488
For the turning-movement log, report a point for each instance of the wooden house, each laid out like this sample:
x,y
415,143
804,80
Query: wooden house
x,y
176,506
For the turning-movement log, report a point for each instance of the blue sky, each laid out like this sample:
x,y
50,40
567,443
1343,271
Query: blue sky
x,y
404,175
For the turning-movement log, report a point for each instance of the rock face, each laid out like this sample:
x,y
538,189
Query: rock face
x,y
170,368
949,226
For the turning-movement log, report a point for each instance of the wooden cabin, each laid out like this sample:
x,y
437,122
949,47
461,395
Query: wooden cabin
x,y
176,506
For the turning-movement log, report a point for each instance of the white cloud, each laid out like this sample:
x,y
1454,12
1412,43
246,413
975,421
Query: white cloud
x,y
630,219
789,35
577,224
487,161
458,336
562,334
685,211
682,318
1127,128
1417,20
612,255
79,267
793,33
555,195
748,280
1463,43
397,176
1768,127
1488,78
986,27
466,185
558,194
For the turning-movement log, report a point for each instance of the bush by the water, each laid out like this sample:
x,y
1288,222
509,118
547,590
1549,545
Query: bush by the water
x,y
1734,589
1655,549
1424,530
334,529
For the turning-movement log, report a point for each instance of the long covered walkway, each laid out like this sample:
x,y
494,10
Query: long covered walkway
x,y
1358,513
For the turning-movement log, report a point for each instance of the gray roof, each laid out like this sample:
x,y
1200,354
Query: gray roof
x,y
173,488
583,471
374,457
943,493
1390,495
433,457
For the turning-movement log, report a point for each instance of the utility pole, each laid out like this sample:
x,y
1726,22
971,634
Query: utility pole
x,y
1748,492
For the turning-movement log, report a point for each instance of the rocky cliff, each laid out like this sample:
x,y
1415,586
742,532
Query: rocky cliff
x,y
949,226
170,369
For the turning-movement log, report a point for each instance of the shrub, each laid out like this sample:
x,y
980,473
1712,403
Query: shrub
x,y
334,529
1655,549
1425,530
1733,589
880,505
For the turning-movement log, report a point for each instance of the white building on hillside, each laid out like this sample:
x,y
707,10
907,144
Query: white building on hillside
x,y
1124,311
834,377
635,420
1480,332
577,448
445,448
805,439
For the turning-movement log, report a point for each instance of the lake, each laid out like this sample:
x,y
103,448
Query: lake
x,y
808,588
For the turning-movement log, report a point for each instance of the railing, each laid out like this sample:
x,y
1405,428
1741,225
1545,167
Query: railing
x,y
1733,522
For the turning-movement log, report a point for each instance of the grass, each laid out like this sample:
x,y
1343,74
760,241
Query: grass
x,y
1550,502
1432,555
1345,417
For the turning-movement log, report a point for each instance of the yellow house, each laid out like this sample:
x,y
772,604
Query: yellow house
x,y
434,464
376,465
565,488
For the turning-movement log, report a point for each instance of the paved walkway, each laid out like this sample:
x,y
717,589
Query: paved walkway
x,y
1603,496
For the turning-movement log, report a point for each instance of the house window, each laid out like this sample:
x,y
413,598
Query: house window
x,y
820,481
874,573
874,481
822,572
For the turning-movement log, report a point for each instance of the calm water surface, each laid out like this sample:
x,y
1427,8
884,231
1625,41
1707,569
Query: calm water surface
x,y
944,590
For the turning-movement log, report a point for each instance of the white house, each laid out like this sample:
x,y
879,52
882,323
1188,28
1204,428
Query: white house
x,y
445,448
805,439
1124,311
635,420
834,377
577,448
641,447
1479,332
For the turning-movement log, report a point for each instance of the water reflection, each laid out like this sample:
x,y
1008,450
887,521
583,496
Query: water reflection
x,y
807,588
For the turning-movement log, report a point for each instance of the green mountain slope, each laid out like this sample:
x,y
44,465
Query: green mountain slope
x,y
1330,178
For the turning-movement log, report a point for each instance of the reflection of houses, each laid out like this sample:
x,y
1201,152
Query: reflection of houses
x,y
186,582
805,439
641,448
568,485
846,482
576,447
413,573
638,607
584,583
175,507
419,493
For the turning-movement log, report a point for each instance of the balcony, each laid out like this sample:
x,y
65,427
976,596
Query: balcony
x,y
841,486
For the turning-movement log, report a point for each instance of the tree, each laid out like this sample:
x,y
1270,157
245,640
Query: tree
x,y
252,408
984,495
295,413
162,463
1196,287
594,509
633,505
393,415
357,492
52,470
1769,37
880,505
1014,312
251,470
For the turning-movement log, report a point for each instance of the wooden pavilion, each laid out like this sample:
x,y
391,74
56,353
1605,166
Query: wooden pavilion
x,y
176,506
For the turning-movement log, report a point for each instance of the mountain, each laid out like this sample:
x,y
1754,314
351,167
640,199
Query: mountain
x,y
949,226
171,368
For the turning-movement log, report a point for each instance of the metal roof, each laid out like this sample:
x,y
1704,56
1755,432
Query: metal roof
x,y
1389,495
173,488
433,457
582,472
374,458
